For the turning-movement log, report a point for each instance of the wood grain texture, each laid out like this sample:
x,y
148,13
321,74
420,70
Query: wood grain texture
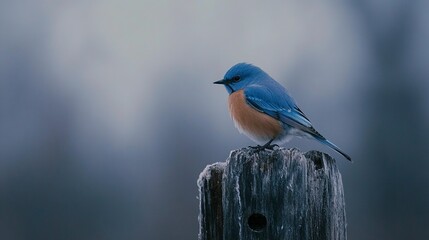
x,y
300,195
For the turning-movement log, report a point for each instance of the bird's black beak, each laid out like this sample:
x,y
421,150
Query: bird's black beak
x,y
222,81
225,82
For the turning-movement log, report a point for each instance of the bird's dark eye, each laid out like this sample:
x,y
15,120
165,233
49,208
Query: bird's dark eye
x,y
236,78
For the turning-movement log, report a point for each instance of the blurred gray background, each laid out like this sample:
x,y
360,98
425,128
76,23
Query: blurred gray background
x,y
108,112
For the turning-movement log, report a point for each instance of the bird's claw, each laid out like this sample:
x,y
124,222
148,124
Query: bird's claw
x,y
255,147
272,146
259,148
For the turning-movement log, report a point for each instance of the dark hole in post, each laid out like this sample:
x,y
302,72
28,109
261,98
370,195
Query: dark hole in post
x,y
257,222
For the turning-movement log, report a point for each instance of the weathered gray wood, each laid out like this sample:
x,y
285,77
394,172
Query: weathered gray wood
x,y
280,194
211,212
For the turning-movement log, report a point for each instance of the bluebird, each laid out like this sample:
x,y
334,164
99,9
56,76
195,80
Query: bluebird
x,y
263,110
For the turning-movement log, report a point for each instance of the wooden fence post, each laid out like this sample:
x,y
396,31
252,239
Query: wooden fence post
x,y
276,195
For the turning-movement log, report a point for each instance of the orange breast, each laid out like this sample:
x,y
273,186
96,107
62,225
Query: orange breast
x,y
255,124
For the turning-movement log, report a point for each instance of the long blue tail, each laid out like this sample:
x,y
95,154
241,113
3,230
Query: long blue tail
x,y
333,146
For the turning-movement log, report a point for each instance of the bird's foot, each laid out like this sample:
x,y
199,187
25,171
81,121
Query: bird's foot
x,y
259,148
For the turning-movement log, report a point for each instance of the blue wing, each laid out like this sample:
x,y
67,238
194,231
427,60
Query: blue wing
x,y
275,102
279,105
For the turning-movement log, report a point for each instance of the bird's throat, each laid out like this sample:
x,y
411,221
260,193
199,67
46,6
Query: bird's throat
x,y
230,88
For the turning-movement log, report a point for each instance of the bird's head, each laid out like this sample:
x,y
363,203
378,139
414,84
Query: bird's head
x,y
241,75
